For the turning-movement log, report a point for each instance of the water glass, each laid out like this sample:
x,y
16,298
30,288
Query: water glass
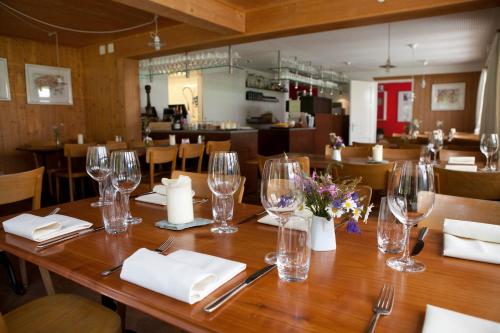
x,y
436,142
294,249
390,233
97,166
489,146
222,212
113,212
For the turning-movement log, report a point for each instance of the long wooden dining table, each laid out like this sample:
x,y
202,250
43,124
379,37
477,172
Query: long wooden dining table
x,y
337,296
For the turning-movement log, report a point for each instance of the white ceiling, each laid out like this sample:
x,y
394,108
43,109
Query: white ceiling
x,y
445,41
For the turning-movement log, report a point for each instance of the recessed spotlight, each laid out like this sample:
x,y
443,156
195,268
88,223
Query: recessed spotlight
x,y
380,1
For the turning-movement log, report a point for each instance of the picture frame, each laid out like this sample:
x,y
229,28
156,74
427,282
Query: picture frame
x,y
448,97
48,85
405,106
4,81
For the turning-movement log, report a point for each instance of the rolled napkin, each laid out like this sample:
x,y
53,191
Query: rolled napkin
x,y
467,160
184,275
460,167
179,200
472,241
378,153
39,228
439,320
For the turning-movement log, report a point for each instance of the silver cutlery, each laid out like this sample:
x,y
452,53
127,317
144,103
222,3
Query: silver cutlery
x,y
55,211
63,238
200,201
383,306
224,298
160,249
419,245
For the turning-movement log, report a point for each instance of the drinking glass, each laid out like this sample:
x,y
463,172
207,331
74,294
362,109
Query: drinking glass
x,y
113,210
411,198
222,211
125,177
224,180
281,194
489,146
295,251
436,143
97,166
389,231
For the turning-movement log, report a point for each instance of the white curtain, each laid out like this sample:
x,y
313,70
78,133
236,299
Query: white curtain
x,y
490,115
480,100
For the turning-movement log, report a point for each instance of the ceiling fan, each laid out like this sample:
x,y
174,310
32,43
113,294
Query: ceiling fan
x,y
388,65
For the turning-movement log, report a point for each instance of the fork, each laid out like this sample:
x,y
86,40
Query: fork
x,y
160,249
383,306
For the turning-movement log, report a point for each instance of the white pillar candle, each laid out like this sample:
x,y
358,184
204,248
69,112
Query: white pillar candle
x,y
378,153
80,139
179,200
171,139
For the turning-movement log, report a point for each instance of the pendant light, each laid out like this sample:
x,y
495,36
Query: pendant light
x,y
155,38
388,64
413,46
423,83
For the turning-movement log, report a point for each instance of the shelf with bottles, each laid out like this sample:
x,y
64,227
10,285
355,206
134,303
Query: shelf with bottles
x,y
260,97
255,81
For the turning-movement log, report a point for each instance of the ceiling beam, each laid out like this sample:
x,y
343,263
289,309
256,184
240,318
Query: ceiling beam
x,y
211,15
296,17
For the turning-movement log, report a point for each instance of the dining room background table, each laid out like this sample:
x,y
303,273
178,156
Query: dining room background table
x,y
337,296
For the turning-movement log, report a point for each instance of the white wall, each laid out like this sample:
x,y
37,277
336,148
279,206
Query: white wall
x,y
159,93
224,97
178,94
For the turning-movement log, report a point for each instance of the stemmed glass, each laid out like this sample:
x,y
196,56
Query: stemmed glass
x,y
97,166
125,177
411,198
281,194
489,146
224,180
436,142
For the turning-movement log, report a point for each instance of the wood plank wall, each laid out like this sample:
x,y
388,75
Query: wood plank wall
x,y
22,123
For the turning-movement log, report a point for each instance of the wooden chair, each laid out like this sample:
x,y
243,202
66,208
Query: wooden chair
x,y
365,194
304,162
478,185
356,152
160,155
402,154
363,144
199,183
213,146
445,154
373,175
22,186
113,145
72,152
61,313
191,151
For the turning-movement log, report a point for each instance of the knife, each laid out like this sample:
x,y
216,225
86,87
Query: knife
x,y
420,241
252,278
254,216
62,238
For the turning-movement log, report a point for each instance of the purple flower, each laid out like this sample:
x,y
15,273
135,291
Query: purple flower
x,y
285,201
355,196
337,203
352,227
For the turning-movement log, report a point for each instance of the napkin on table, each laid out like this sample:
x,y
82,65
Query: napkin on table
x,y
461,167
468,160
159,195
472,240
184,275
271,220
439,320
37,228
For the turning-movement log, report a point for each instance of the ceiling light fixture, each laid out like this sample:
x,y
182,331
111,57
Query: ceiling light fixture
x,y
388,65
155,38
412,46
423,83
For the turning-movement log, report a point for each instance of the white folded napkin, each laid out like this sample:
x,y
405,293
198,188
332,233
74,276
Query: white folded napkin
x,y
461,167
184,275
472,241
160,189
39,228
271,220
469,160
154,198
439,320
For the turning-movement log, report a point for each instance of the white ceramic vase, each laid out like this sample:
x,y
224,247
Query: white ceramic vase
x,y
336,156
323,234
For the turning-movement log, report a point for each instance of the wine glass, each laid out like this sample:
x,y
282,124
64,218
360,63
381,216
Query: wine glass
x,y
281,193
411,198
489,146
224,180
97,166
125,177
436,143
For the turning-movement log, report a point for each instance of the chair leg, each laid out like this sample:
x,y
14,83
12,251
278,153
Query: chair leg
x,y
71,189
11,276
58,190
47,281
24,273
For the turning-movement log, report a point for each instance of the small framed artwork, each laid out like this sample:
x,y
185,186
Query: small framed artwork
x,y
48,85
448,97
4,81
405,106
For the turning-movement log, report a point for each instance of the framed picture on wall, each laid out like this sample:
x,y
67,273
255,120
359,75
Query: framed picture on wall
x,y
448,97
48,85
405,106
4,81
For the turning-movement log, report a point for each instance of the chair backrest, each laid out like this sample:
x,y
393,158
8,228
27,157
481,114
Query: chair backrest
x,y
363,144
73,150
199,183
21,186
159,155
445,154
213,146
3,327
304,162
373,175
356,152
191,150
113,145
402,154
365,194
478,185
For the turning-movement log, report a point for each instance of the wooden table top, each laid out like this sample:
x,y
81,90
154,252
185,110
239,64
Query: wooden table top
x,y
338,295
41,148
